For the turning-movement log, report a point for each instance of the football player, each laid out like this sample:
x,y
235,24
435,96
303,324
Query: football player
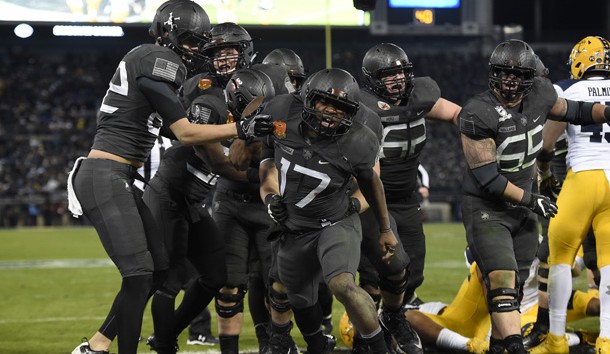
x,y
243,221
305,172
402,103
582,198
501,133
291,61
101,185
229,49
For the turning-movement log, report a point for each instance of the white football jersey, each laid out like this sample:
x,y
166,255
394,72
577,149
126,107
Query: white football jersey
x,y
589,146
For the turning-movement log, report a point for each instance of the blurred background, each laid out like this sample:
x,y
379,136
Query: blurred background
x,y
57,57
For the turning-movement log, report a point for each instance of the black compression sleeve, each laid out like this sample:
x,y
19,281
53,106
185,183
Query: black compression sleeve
x,y
579,113
163,99
489,178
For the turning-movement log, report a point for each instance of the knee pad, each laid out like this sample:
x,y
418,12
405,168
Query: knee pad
x,y
543,273
503,305
278,301
228,311
394,286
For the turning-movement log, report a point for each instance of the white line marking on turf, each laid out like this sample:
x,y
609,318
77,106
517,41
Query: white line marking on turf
x,y
54,319
59,263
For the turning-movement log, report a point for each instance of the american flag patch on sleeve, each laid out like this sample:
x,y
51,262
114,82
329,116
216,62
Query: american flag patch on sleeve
x,y
165,69
467,126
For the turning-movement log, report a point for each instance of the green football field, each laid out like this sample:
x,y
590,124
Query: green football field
x,y
56,286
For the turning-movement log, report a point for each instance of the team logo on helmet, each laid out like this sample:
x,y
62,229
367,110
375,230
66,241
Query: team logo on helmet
x,y
279,129
170,21
383,105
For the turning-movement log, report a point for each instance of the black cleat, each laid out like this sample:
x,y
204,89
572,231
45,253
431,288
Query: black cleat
x,y
160,348
401,330
327,325
331,342
533,334
282,343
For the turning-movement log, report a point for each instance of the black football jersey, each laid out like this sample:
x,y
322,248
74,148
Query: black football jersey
x,y
517,132
125,125
314,174
180,167
404,135
200,84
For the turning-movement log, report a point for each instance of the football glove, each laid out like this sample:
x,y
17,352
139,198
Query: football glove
x,y
549,186
276,209
258,125
539,204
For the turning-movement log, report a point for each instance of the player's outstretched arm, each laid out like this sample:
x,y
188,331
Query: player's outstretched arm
x,y
579,112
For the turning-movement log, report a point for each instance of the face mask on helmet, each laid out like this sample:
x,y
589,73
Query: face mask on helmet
x,y
182,26
592,56
512,68
229,49
243,87
388,72
330,102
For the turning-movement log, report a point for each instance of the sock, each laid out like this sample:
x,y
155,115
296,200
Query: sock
x,y
309,321
514,344
109,327
560,289
196,298
162,309
542,319
130,310
376,341
262,332
229,344
604,302
325,297
448,339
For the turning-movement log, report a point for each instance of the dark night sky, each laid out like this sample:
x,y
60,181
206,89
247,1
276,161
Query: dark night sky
x,y
561,19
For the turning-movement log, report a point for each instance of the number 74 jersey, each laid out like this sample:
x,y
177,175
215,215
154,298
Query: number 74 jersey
x,y
588,146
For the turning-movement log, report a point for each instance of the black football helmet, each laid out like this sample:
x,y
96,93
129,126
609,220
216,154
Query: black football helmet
x,y
244,86
279,77
541,70
291,62
512,67
180,23
229,34
332,86
384,60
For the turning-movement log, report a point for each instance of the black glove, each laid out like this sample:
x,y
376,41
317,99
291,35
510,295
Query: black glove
x,y
258,125
354,205
275,208
539,204
549,186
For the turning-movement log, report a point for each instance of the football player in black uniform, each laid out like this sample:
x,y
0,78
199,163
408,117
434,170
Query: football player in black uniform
x,y
305,173
243,222
102,184
402,102
291,61
501,132
229,49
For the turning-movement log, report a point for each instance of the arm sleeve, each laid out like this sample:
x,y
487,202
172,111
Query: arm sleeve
x,y
163,99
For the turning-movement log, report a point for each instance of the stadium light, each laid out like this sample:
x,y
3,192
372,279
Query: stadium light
x,y
23,30
88,31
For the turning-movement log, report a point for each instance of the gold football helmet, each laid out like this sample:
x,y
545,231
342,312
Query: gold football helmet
x,y
590,54
346,330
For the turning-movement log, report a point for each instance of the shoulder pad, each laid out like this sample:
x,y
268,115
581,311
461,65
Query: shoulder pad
x,y
425,93
478,119
160,64
205,105
370,119
544,93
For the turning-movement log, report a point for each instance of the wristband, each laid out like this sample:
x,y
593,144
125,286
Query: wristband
x,y
545,156
387,229
268,198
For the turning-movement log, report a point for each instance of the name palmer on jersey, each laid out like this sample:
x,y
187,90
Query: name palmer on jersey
x,y
589,145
